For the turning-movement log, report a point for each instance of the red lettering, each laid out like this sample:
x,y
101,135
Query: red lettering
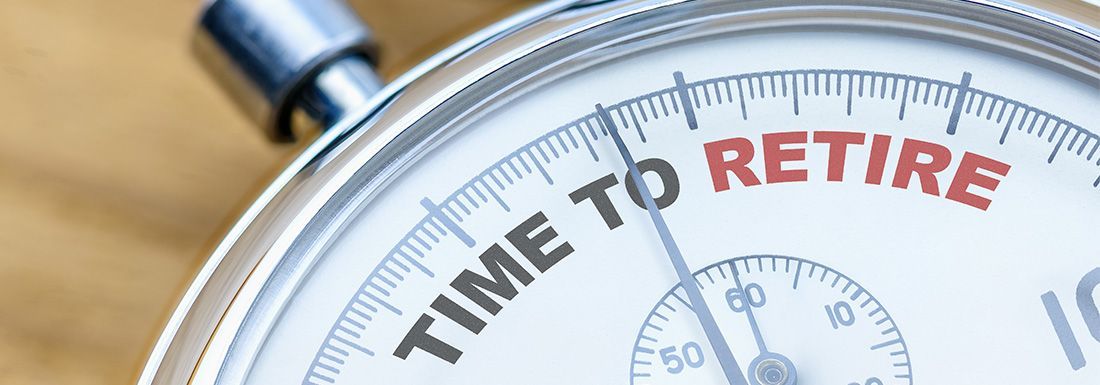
x,y
838,149
719,166
967,175
915,157
775,155
908,165
880,147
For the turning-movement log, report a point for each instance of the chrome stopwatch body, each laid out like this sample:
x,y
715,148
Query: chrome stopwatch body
x,y
507,212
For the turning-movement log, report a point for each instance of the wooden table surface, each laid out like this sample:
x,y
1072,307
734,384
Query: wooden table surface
x,y
121,163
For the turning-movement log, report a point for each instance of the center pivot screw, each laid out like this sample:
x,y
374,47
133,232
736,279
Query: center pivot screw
x,y
772,369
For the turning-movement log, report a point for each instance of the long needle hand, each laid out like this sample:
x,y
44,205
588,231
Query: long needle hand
x,y
717,342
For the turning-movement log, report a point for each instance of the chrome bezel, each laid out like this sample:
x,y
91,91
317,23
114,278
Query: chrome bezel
x,y
224,315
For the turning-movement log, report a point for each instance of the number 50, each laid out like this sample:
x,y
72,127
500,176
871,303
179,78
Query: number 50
x,y
691,354
1087,304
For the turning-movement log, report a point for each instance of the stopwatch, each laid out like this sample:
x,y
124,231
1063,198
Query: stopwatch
x,y
763,192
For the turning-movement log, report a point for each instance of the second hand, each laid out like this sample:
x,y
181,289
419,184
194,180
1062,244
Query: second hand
x,y
732,371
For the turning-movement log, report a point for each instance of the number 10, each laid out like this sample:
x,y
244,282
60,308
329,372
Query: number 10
x,y
1087,304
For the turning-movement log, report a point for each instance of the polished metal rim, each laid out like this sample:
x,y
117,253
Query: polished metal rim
x,y
265,255
181,344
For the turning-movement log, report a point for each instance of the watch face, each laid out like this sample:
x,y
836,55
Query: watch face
x,y
715,194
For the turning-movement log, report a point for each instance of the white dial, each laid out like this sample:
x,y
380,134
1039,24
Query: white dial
x,y
858,202
514,248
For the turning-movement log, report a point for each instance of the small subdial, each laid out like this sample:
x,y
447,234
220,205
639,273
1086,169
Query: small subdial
x,y
787,320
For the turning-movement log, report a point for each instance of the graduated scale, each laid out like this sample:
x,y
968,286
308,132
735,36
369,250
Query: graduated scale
x,y
664,192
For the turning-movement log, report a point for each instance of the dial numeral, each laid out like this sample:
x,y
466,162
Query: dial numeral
x,y
840,314
691,355
870,381
753,295
1086,303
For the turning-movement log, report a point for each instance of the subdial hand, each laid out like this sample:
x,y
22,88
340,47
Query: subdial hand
x,y
768,368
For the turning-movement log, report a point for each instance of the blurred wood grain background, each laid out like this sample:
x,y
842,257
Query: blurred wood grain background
x,y
121,163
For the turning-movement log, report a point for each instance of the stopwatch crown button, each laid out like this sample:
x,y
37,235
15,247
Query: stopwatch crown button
x,y
274,56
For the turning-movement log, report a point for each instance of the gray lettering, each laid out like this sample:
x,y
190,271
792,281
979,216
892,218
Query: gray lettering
x,y
669,180
597,193
419,338
531,246
459,314
496,261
